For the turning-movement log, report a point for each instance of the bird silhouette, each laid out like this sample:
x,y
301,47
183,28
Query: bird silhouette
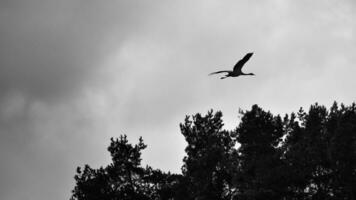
x,y
237,68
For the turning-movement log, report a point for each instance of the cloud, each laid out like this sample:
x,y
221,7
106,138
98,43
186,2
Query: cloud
x,y
50,57
75,73
49,49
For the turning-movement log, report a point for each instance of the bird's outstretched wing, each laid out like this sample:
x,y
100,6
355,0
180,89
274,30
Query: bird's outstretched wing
x,y
226,71
238,66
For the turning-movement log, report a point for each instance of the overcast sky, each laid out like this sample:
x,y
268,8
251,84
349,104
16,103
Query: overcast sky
x,y
74,73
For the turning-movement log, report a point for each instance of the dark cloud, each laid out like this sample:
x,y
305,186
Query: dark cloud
x,y
50,54
49,49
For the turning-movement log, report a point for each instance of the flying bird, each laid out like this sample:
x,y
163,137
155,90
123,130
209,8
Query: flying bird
x,y
237,68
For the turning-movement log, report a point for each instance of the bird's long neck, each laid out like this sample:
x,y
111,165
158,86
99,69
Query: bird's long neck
x,y
251,74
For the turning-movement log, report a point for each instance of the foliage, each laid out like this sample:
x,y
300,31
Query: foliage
x,y
209,154
304,155
124,178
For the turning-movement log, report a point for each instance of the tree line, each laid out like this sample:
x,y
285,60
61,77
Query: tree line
x,y
303,155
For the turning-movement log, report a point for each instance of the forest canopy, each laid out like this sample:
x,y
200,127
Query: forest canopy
x,y
303,155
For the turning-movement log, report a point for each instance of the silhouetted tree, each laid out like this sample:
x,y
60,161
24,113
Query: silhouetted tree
x,y
259,174
124,178
306,155
207,164
341,128
321,153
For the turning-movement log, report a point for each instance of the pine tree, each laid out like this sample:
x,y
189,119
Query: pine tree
x,y
259,173
207,164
